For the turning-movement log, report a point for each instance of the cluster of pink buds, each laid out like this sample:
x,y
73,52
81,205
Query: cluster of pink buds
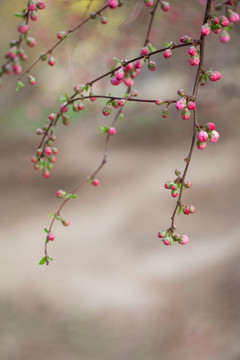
x,y
175,185
207,134
165,6
126,74
184,105
223,24
190,209
194,53
211,75
168,237
112,103
16,54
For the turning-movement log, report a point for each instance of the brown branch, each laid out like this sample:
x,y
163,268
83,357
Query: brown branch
x,y
76,190
49,51
195,123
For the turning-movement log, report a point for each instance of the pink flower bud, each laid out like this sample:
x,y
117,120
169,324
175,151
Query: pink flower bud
x,y
194,60
31,6
185,39
187,184
145,50
129,82
95,182
214,136
183,240
202,136
192,209
167,53
162,234
182,93
112,130
64,108
61,35
33,16
48,151
191,105
60,193
152,65
224,21
201,145
139,64
51,61
106,110
51,237
165,6
192,51
180,104
46,173
185,114
22,28
52,117
66,222
31,79
115,82
186,210
225,37
17,69
233,16
33,159
149,3
205,30
112,4
160,102
174,193
119,75
41,5
31,42
211,126
80,106
103,20
55,150
129,67
167,242
214,75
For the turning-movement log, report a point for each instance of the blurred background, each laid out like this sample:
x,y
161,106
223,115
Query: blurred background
x,y
113,290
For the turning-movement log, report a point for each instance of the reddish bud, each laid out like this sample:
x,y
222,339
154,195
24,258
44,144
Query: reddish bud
x,y
51,61
95,182
112,130
51,237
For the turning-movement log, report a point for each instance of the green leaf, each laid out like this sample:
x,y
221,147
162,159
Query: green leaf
x,y
116,60
121,116
50,214
74,196
49,258
151,48
58,217
108,102
19,85
19,14
63,98
46,230
180,210
41,262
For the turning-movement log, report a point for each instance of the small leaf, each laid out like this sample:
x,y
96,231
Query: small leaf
x,y
63,98
74,196
41,262
19,14
116,60
180,210
121,116
50,214
46,230
151,48
58,217
19,85
49,258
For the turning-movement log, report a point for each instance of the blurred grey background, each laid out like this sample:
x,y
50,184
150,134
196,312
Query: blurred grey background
x,y
113,290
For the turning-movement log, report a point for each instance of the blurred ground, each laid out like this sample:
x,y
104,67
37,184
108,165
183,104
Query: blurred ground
x,y
113,290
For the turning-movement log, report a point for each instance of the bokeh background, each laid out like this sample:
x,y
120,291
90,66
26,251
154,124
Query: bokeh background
x,y
113,290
